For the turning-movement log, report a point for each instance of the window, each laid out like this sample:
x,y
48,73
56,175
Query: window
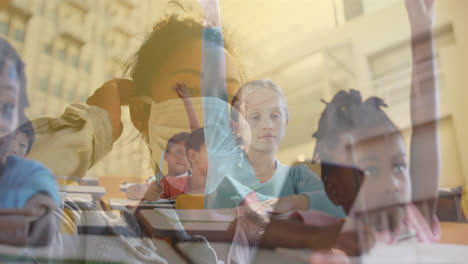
x,y
19,35
71,95
44,84
42,10
352,9
57,89
4,28
74,61
61,55
53,16
48,49
87,66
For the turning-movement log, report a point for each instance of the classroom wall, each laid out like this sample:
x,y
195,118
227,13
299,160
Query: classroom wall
x,y
378,63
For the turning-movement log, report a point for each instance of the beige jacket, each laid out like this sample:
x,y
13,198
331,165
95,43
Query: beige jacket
x,y
73,143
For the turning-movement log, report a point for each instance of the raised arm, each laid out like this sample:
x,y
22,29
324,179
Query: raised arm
x,y
213,79
424,156
184,94
220,142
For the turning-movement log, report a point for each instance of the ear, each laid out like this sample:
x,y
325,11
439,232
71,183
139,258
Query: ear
x,y
139,114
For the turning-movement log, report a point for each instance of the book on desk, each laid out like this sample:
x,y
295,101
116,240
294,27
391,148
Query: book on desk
x,y
120,204
95,191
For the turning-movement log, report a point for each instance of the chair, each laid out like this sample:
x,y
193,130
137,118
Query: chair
x,y
190,201
449,205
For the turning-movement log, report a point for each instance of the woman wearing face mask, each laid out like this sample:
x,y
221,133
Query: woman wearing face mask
x,y
171,53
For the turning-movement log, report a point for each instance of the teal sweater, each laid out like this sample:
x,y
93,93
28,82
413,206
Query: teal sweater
x,y
230,175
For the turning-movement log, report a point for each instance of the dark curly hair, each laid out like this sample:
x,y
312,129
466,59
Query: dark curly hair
x,y
168,34
345,113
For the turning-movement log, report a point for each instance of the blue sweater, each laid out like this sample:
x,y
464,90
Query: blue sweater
x,y
21,179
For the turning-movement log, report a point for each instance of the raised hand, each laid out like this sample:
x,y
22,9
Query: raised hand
x,y
111,96
181,90
211,13
424,156
421,15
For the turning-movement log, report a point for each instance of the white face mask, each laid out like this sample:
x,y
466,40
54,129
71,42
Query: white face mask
x,y
166,119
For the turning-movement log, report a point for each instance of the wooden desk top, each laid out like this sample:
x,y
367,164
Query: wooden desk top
x,y
454,233
167,223
93,190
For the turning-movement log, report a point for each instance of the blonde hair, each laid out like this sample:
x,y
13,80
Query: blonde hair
x,y
244,92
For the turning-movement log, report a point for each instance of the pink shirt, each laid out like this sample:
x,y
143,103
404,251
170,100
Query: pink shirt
x,y
413,223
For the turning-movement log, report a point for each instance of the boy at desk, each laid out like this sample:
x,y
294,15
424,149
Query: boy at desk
x,y
29,177
176,154
171,187
177,164
365,167
28,190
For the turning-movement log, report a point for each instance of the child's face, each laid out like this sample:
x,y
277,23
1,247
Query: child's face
x,y
263,120
19,145
176,159
386,183
384,163
9,96
184,65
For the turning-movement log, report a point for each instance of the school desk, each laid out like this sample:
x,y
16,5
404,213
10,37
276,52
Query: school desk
x,y
454,233
178,224
104,223
124,186
86,248
78,201
406,253
121,204
95,191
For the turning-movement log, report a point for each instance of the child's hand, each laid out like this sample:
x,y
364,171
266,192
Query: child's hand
x,y
154,191
261,208
110,97
136,192
291,203
421,15
248,225
350,243
181,90
211,13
